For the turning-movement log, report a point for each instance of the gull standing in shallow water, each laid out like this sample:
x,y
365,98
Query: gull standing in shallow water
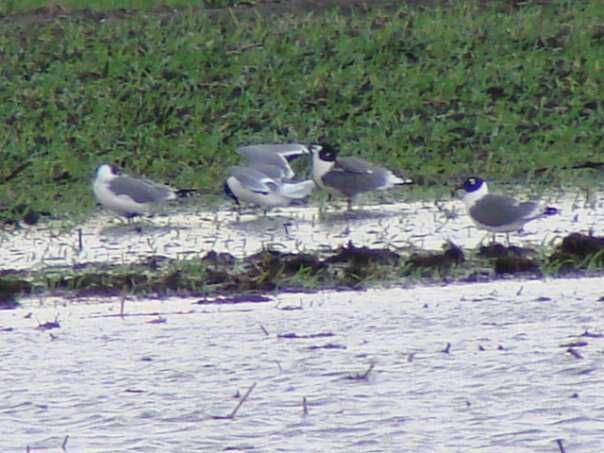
x,y
349,176
127,196
264,188
499,213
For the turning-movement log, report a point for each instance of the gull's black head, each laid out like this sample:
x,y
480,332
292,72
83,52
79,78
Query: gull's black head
x,y
107,171
326,152
472,184
115,169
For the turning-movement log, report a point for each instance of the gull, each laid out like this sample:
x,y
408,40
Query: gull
x,y
349,176
264,189
499,213
128,196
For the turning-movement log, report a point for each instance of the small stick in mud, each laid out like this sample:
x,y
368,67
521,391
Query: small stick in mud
x,y
64,446
576,354
560,445
80,241
264,330
304,406
365,375
231,416
447,348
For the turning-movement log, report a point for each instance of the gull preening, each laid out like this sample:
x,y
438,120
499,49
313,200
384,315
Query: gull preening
x,y
248,185
267,179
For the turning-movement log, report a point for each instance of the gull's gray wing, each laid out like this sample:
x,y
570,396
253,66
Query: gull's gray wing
x,y
354,165
253,179
287,150
499,210
272,171
140,191
351,184
277,155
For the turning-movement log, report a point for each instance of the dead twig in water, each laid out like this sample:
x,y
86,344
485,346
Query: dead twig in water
x,y
304,406
153,313
447,348
64,446
49,325
231,416
560,445
589,334
158,320
576,354
264,330
365,375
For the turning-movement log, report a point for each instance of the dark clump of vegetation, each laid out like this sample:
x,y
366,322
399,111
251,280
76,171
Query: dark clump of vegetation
x,y
514,264
357,257
10,288
497,250
578,252
441,262
510,259
356,264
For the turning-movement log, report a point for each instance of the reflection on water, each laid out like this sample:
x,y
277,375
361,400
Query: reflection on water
x,y
189,232
507,383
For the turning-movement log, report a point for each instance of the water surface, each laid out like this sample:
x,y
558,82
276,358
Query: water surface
x,y
507,383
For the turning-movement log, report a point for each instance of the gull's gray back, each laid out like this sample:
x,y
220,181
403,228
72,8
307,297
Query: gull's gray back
x,y
140,191
499,210
354,165
352,183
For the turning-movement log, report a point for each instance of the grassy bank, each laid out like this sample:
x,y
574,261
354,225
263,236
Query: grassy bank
x,y
439,92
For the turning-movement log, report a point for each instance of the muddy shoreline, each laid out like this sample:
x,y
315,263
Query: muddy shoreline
x,y
348,267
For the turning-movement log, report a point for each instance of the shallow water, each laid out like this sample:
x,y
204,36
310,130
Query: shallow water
x,y
191,232
129,384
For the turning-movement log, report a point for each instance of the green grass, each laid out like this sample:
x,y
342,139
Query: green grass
x,y
19,6
439,93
